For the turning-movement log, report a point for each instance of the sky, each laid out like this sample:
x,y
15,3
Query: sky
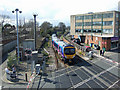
x,y
54,11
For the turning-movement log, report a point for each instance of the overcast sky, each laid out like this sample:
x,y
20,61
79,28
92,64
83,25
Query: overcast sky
x,y
55,11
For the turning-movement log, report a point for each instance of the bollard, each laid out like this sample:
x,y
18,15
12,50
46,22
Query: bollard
x,y
26,77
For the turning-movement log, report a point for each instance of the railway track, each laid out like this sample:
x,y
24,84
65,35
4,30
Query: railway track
x,y
82,74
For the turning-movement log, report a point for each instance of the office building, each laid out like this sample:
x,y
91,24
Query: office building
x,y
100,28
119,6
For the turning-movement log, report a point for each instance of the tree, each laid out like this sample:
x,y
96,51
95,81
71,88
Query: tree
x,y
62,26
12,60
7,25
46,28
3,18
29,26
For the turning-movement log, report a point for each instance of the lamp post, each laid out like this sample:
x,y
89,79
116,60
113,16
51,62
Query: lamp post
x,y
16,10
35,29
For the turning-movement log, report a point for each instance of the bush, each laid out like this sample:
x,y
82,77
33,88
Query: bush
x,y
80,53
12,60
44,53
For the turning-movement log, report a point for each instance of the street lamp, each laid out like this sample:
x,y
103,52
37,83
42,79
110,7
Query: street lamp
x,y
35,29
16,10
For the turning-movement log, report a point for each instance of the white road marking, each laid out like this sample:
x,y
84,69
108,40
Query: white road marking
x,y
0,87
113,84
107,59
96,77
91,78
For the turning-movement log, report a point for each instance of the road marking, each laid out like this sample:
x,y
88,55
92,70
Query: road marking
x,y
0,87
78,75
96,77
69,77
107,59
113,84
31,78
91,78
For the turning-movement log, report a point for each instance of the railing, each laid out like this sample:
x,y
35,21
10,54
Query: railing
x,y
75,44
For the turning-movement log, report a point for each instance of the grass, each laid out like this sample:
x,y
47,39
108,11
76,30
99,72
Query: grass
x,y
49,62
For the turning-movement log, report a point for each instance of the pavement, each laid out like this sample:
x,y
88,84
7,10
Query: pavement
x,y
21,77
111,56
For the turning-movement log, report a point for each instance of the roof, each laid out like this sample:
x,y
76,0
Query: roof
x,y
62,43
87,46
95,13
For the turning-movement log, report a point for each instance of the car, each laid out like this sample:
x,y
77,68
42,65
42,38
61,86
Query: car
x,y
77,41
87,48
95,46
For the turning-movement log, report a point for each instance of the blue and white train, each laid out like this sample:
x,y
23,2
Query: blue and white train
x,y
65,50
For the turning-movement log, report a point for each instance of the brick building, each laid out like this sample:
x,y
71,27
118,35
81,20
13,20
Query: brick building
x,y
100,28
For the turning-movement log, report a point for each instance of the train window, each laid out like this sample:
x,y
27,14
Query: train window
x,y
66,51
56,45
59,48
69,51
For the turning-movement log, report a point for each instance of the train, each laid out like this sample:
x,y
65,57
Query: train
x,y
66,51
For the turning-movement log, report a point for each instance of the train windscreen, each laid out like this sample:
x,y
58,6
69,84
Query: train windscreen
x,y
69,51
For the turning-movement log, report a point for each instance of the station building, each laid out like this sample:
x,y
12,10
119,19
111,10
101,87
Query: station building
x,y
101,28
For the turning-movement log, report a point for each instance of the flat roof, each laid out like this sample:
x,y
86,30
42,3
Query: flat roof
x,y
91,13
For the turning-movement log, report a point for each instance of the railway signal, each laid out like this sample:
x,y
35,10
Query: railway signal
x,y
28,52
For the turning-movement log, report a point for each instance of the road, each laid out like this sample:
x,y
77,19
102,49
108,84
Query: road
x,y
97,73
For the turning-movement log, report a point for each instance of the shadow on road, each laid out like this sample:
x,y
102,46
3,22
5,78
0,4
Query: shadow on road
x,y
81,62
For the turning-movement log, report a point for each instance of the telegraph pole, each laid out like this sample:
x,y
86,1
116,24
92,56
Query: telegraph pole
x,y
35,29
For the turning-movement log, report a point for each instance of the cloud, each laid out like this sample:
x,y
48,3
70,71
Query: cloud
x,y
56,10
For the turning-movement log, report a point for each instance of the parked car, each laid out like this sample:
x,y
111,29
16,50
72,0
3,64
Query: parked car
x,y
87,48
95,46
77,41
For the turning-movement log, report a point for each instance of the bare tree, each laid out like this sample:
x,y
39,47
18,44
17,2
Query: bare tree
x,y
3,18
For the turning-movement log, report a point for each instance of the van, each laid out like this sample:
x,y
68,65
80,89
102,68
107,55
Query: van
x,y
37,69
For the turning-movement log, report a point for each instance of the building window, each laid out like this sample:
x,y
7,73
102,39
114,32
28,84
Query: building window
x,y
97,23
117,15
87,16
107,23
87,23
108,15
107,31
114,44
94,30
85,30
79,17
116,23
78,30
95,16
78,24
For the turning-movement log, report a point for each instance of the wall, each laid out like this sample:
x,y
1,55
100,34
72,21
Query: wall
x,y
8,47
99,41
28,43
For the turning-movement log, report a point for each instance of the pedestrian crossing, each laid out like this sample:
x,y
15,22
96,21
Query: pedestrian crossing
x,y
0,87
